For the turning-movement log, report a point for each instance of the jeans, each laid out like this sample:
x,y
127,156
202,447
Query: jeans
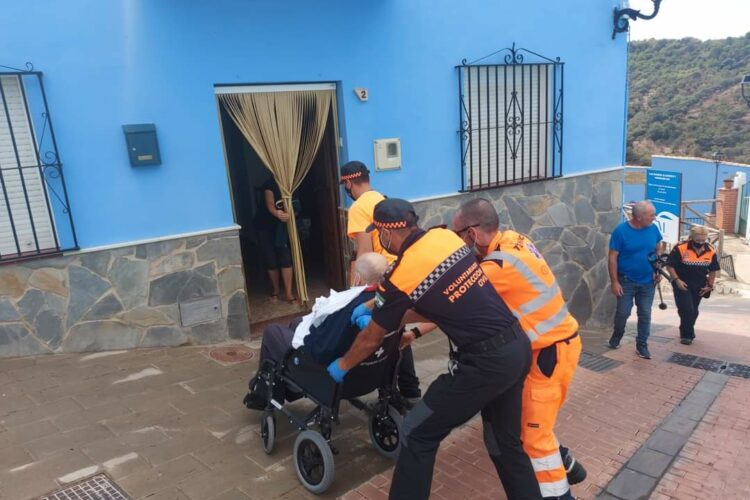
x,y
643,296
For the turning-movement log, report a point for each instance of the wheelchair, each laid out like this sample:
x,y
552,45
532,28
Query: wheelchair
x,y
300,376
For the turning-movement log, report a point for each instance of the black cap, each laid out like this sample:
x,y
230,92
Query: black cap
x,y
352,170
392,213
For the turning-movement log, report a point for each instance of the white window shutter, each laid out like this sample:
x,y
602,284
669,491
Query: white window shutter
x,y
33,205
494,154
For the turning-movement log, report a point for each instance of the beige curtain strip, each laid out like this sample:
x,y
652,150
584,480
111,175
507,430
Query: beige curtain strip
x,y
285,129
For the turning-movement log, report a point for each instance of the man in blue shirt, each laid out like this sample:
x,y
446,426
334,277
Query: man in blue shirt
x,y
633,279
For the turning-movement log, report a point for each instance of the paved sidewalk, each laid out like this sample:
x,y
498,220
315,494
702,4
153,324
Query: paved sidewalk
x,y
169,424
608,416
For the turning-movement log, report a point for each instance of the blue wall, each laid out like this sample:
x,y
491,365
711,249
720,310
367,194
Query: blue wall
x,y
698,176
140,61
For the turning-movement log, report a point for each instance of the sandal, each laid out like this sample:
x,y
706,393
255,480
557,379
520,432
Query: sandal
x,y
273,298
291,300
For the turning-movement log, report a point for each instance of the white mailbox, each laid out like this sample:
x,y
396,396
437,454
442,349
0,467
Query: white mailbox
x,y
387,154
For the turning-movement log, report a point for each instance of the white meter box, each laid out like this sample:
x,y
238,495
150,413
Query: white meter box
x,y
387,154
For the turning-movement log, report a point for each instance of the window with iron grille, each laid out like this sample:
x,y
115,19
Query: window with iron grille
x,y
35,214
511,120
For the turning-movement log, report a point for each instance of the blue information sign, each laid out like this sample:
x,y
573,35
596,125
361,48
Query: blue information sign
x,y
664,190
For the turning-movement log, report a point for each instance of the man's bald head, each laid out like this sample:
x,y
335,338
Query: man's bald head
x,y
371,267
479,213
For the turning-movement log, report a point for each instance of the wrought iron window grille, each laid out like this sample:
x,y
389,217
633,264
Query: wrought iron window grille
x,y
35,215
511,119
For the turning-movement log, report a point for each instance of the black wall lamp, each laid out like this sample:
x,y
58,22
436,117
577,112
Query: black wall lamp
x,y
622,17
745,87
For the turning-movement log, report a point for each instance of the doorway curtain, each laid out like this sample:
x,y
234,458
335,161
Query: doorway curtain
x,y
285,129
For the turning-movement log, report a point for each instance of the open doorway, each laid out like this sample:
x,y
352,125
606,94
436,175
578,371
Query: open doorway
x,y
318,221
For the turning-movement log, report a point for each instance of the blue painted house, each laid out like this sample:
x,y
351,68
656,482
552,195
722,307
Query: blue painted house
x,y
113,240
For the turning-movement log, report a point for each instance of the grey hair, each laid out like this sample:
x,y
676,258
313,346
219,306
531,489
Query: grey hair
x,y
371,267
642,208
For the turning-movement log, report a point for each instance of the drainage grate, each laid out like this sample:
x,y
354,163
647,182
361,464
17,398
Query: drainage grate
x,y
711,365
597,362
99,487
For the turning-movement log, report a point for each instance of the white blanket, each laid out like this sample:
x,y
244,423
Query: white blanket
x,y
323,307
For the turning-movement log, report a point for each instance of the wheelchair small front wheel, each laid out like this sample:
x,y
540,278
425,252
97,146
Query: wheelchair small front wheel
x,y
268,431
313,461
385,432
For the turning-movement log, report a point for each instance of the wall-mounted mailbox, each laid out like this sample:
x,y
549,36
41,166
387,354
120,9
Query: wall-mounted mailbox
x,y
143,148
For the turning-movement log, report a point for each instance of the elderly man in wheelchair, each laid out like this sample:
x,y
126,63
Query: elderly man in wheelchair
x,y
293,363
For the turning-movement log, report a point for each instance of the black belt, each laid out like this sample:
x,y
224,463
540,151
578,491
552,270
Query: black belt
x,y
504,337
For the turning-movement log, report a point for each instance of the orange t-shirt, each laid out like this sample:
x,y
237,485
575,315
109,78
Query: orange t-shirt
x,y
361,216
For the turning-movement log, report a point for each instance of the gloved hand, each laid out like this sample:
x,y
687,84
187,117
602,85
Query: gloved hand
x,y
363,321
336,372
359,311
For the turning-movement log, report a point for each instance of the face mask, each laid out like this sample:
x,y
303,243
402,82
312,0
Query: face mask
x,y
386,246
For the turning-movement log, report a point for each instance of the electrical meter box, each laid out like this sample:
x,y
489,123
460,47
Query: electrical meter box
x,y
387,154
143,148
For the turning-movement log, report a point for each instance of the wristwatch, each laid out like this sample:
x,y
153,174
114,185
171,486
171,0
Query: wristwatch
x,y
416,332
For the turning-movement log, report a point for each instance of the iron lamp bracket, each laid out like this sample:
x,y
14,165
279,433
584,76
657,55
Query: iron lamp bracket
x,y
622,17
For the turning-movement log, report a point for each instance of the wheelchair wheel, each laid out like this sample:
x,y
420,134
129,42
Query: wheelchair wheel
x,y
313,461
268,431
385,432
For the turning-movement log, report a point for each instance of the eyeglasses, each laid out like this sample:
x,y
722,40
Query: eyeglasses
x,y
459,231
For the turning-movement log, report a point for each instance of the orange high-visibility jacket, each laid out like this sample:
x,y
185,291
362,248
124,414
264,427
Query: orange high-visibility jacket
x,y
525,282
690,258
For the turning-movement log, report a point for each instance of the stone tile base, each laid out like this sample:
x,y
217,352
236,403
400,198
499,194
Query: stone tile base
x,y
167,293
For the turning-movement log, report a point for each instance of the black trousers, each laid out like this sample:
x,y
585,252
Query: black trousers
x,y
490,382
408,382
687,302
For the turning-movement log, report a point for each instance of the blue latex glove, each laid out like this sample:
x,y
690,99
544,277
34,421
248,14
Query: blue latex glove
x,y
363,321
359,311
335,371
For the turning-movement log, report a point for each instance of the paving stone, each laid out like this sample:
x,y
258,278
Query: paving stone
x,y
579,304
145,316
49,328
97,262
130,279
50,445
631,485
666,442
679,425
701,398
238,323
172,263
16,340
85,289
13,281
107,307
522,222
650,462
602,199
161,478
7,311
209,333
164,336
49,280
209,484
715,378
690,411
101,336
225,251
560,214
34,301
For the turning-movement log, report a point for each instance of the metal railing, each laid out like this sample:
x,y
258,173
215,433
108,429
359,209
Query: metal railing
x,y
35,215
511,120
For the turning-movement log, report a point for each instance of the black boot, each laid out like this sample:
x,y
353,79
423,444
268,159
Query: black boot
x,y
575,471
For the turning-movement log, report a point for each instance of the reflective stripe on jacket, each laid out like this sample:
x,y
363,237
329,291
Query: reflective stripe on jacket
x,y
525,282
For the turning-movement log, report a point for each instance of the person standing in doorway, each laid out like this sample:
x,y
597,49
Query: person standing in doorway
x,y
355,177
273,239
631,275
692,270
